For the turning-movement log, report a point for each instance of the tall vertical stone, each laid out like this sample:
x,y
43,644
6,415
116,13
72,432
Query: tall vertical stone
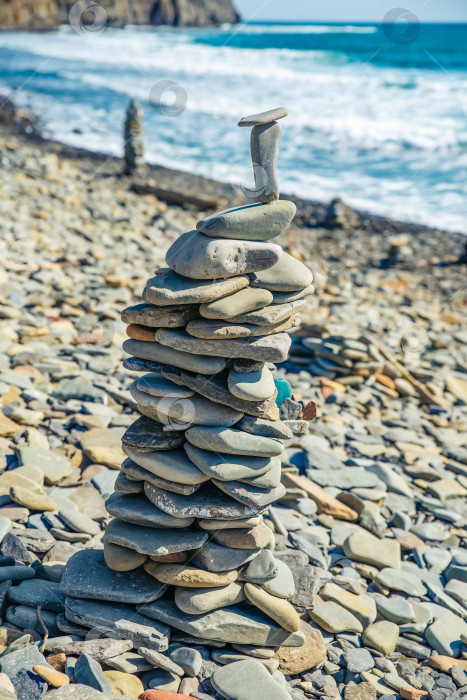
x,y
133,139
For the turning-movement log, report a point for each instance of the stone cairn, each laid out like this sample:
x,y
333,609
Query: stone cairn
x,y
133,139
187,548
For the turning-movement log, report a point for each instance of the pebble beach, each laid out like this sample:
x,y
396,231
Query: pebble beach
x,y
371,518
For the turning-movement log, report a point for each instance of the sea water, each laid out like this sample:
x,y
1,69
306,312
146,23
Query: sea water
x,y
376,118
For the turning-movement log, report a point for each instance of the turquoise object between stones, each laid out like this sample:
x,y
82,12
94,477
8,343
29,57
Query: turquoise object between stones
x,y
284,390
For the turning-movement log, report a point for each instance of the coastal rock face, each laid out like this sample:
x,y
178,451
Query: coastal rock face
x,y
45,14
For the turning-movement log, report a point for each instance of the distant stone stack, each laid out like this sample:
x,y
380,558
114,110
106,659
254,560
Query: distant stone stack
x,y
133,139
204,459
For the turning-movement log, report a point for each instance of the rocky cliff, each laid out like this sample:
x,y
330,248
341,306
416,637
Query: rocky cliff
x,y
45,14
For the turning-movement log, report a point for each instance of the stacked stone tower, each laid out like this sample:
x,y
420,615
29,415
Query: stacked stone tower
x,y
187,548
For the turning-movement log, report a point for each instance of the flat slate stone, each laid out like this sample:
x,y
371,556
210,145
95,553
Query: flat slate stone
x,y
147,436
157,317
208,502
250,495
126,486
265,139
36,592
214,524
257,222
269,480
156,384
286,297
136,364
134,471
214,557
118,618
287,275
120,558
227,467
247,299
252,386
401,581
167,288
216,389
172,465
273,348
22,659
362,546
182,413
159,353
231,624
242,680
152,541
138,510
200,257
260,426
234,442
196,601
88,576
269,315
220,330
270,115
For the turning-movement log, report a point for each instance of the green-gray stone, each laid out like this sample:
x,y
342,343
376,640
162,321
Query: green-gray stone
x,y
259,222
234,442
151,541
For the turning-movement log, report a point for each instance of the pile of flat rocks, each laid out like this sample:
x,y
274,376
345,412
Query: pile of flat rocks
x,y
187,547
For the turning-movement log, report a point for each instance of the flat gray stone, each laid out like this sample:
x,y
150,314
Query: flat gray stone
x,y
258,222
120,619
172,465
272,348
182,413
159,353
270,115
196,601
138,510
364,547
233,625
207,329
156,384
214,557
126,486
228,467
161,661
78,522
347,478
269,315
151,541
260,426
168,288
216,389
398,580
247,299
269,480
288,297
265,140
287,275
129,662
250,495
445,635
157,317
200,257
88,576
242,680
397,610
358,660
134,471
147,436
252,386
36,592
208,502
22,659
233,442
190,660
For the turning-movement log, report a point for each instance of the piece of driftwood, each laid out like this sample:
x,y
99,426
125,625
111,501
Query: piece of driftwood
x,y
217,391
325,502
202,201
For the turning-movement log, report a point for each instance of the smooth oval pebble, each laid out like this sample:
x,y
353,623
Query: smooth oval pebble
x,y
200,257
287,275
257,222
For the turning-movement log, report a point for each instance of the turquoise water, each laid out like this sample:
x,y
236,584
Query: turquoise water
x,y
377,116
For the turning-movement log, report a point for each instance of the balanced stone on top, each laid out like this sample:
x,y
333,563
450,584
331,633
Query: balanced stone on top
x,y
266,117
203,463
